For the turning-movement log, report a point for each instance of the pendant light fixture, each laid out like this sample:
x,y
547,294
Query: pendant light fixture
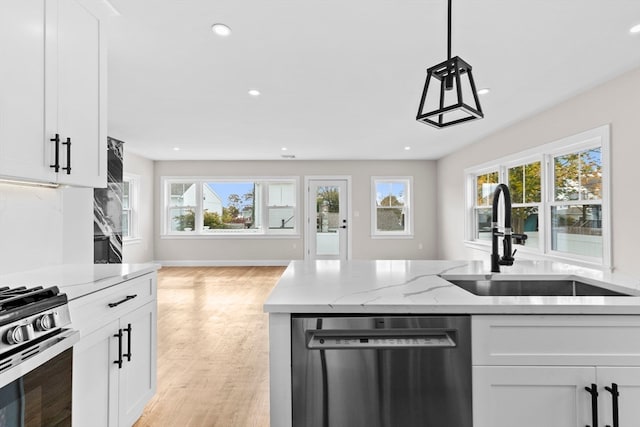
x,y
445,104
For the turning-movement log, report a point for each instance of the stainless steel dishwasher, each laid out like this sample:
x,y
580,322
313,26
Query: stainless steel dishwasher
x,y
381,371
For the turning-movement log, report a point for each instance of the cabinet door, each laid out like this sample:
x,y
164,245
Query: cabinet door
x,y
138,376
531,396
80,109
22,85
95,378
628,381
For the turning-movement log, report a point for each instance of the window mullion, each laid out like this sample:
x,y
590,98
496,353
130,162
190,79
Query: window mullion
x,y
547,196
198,206
264,206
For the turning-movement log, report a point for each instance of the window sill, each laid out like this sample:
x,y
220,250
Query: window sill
x,y
131,241
230,236
392,236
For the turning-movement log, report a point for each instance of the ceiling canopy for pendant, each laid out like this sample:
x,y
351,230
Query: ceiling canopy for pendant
x,y
449,96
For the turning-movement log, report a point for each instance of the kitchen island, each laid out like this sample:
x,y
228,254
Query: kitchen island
x,y
504,328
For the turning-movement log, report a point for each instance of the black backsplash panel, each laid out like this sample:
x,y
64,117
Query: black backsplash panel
x,y
107,210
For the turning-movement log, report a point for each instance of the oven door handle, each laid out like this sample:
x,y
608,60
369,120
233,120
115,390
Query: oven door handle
x,y
349,339
51,347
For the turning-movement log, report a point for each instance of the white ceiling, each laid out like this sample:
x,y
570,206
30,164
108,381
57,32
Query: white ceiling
x,y
341,79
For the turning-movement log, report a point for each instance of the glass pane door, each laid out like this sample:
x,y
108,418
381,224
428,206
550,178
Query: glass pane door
x,y
327,230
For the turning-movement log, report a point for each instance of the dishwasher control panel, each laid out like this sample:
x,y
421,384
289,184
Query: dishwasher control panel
x,y
378,339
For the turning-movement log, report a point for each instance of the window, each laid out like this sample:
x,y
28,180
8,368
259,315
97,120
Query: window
x,y
525,186
391,207
129,207
182,206
576,209
238,206
485,185
282,205
559,198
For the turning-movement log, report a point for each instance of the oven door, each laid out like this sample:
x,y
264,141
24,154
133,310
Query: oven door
x,y
36,388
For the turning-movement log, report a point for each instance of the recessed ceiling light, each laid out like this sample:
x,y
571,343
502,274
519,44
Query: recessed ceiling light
x,y
635,29
407,148
221,30
254,92
176,148
284,148
484,91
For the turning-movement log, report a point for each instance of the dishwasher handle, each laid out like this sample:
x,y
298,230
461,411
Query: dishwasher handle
x,y
380,339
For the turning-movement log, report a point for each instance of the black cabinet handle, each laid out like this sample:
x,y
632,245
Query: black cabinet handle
x,y
128,353
593,391
68,167
614,402
119,361
127,298
56,164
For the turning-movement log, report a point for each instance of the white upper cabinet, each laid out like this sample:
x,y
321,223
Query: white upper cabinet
x,y
79,114
22,90
53,87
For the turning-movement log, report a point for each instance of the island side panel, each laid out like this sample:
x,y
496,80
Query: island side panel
x,y
280,369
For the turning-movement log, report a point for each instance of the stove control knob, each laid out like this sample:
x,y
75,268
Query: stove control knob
x,y
20,334
47,322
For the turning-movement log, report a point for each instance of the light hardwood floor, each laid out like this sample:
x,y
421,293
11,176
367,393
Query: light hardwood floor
x,y
213,350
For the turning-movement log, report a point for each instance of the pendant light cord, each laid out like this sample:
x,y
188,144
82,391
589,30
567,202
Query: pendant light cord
x,y
449,31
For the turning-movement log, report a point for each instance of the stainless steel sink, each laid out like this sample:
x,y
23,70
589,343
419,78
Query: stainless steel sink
x,y
499,287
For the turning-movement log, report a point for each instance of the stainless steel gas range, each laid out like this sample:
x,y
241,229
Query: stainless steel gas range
x,y
36,354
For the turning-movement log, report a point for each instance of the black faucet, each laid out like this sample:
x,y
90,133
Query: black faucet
x,y
507,255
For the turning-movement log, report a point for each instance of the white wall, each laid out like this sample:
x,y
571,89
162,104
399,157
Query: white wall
x,y
212,250
77,225
44,226
30,227
141,249
616,102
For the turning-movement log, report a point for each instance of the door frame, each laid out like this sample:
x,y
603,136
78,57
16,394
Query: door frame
x,y
307,211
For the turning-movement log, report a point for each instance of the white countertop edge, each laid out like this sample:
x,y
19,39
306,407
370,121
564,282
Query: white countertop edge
x,y
458,309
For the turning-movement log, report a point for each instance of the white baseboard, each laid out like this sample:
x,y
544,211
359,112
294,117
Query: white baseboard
x,y
223,263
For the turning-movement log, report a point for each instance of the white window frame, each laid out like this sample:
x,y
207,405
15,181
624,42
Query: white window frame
x,y
542,218
597,137
407,233
263,198
471,197
134,191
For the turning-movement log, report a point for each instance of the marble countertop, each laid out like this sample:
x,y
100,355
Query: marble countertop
x,y
414,286
77,280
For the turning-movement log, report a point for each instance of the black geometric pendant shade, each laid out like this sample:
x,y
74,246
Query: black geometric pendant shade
x,y
449,96
444,99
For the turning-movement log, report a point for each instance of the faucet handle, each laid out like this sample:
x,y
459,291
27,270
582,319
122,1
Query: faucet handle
x,y
519,239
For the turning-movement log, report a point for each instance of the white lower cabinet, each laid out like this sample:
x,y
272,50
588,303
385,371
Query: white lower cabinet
x,y
114,366
556,371
531,396
95,379
627,380
138,375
